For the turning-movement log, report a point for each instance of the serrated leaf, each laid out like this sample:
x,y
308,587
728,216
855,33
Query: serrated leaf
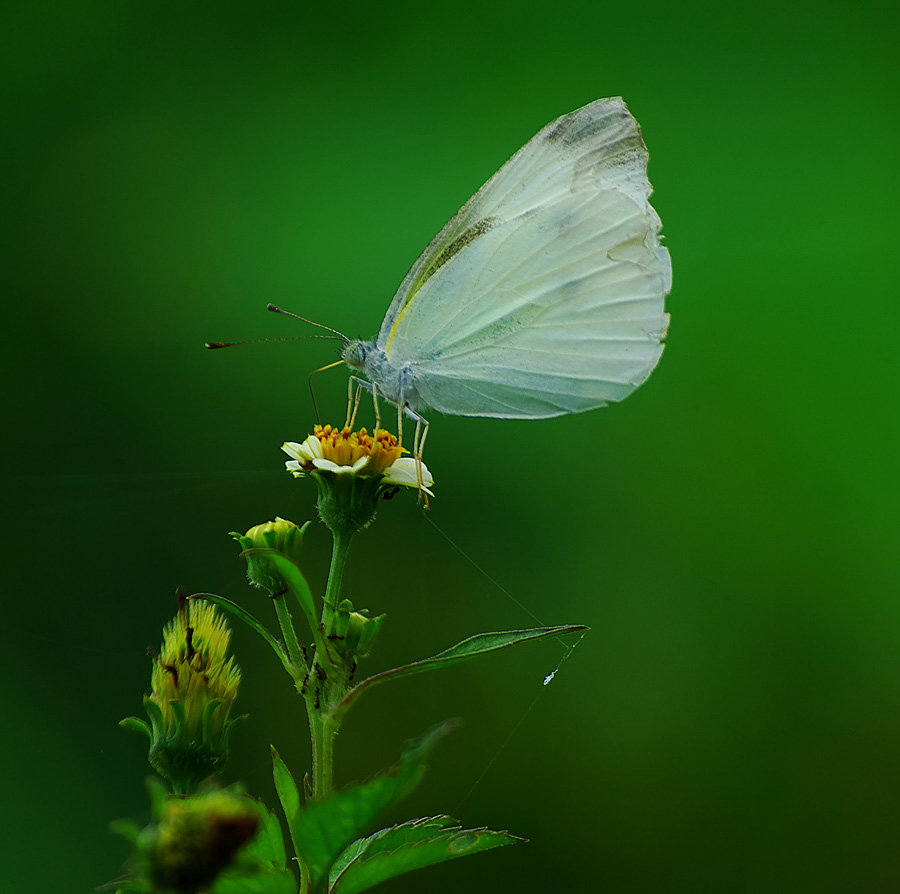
x,y
480,644
324,828
358,847
243,615
409,846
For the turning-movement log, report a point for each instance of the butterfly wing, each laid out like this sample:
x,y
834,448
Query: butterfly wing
x,y
544,294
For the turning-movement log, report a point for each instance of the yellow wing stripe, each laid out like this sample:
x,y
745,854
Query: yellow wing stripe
x,y
431,266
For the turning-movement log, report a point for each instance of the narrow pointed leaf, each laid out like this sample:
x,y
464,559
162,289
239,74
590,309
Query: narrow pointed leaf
x,y
243,615
296,582
324,828
298,586
480,644
410,846
288,794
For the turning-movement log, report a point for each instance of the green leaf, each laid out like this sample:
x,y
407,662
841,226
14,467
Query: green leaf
x,y
324,828
296,582
245,616
261,866
407,832
480,644
288,794
263,882
411,845
267,845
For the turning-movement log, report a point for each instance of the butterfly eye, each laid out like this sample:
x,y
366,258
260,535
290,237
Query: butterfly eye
x,y
354,355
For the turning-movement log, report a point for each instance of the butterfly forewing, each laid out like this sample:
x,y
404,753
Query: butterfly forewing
x,y
544,294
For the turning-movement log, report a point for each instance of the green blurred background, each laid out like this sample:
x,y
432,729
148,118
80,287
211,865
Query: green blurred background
x,y
732,721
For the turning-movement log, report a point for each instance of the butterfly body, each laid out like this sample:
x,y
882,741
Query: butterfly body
x,y
394,384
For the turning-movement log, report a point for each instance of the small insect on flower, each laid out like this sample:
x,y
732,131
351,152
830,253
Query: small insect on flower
x,y
544,295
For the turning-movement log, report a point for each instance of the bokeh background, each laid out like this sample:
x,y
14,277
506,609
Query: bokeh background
x,y
732,721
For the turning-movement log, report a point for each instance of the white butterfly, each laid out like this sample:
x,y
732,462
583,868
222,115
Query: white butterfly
x,y
543,295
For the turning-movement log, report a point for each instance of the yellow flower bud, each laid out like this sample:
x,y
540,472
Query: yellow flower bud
x,y
194,684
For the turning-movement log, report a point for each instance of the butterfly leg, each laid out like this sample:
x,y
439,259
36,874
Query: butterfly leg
x,y
418,447
353,403
373,389
377,410
419,442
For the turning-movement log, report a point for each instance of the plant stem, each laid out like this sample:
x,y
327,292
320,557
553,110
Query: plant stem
x,y
339,552
288,632
323,693
322,732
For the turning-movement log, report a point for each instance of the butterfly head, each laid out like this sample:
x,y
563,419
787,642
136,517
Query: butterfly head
x,y
354,354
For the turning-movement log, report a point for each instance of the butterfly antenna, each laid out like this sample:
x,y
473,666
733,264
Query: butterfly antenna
x,y
287,313
212,345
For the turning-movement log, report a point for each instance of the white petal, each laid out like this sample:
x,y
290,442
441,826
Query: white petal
x,y
403,471
326,465
308,450
360,464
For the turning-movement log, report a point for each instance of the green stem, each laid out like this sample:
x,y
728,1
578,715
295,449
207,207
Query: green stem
x,y
323,733
339,553
322,694
288,632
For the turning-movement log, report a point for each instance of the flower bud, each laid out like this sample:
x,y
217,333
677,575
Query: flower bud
x,y
194,839
281,535
194,685
355,630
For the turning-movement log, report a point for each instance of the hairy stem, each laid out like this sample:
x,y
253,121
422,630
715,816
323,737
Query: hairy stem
x,y
339,553
323,732
324,691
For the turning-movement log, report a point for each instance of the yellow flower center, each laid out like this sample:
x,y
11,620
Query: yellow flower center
x,y
344,447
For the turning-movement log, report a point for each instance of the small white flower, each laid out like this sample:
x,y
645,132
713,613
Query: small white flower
x,y
345,452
